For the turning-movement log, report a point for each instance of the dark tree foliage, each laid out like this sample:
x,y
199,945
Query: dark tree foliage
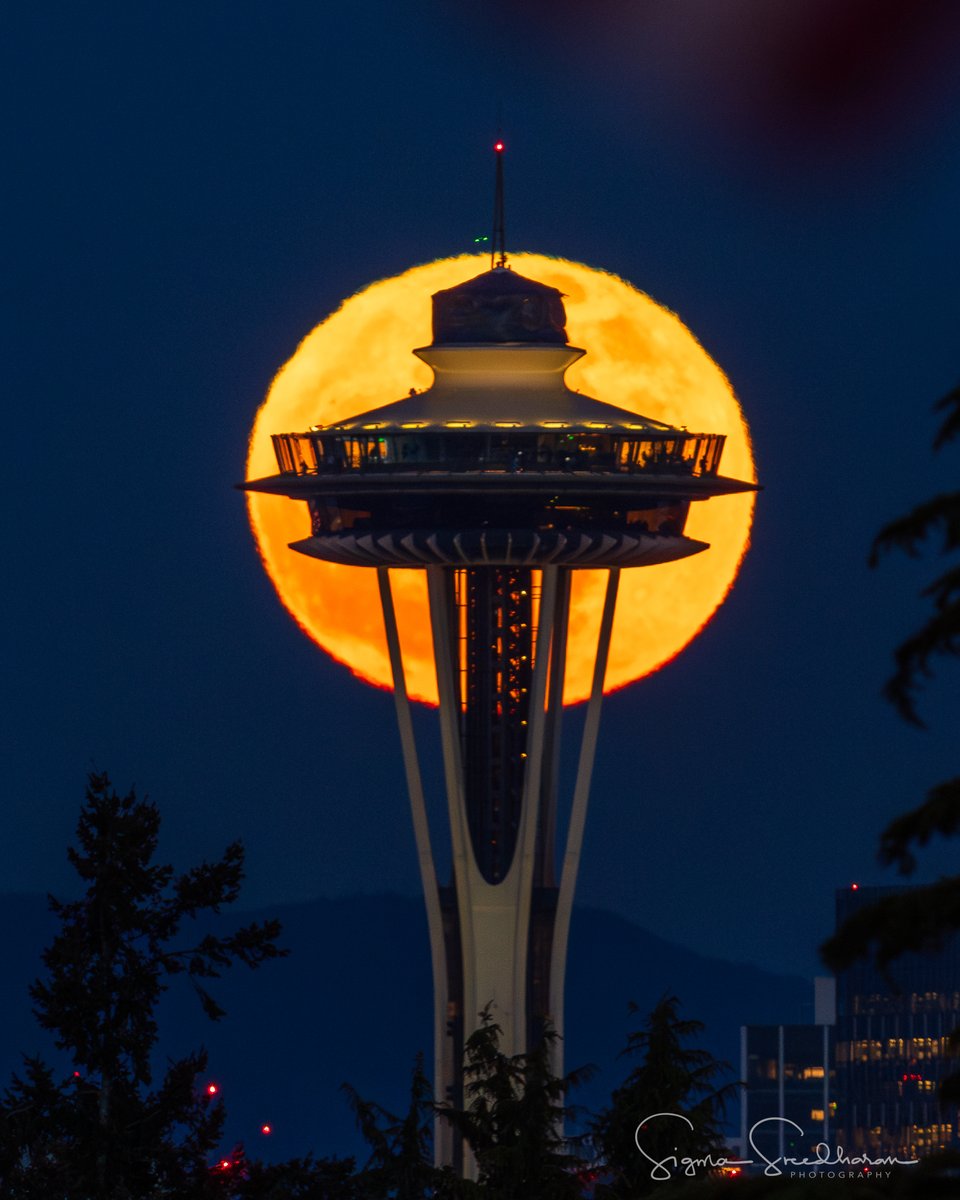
x,y
110,1130
514,1117
400,1166
299,1179
921,918
928,1181
671,1077
940,633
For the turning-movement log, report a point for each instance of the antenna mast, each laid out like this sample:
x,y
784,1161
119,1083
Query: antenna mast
x,y
498,246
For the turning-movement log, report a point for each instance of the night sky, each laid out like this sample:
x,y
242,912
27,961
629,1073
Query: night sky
x,y
190,188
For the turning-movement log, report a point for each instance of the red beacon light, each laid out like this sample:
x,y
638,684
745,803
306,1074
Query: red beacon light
x,y
266,1129
498,146
854,887
212,1089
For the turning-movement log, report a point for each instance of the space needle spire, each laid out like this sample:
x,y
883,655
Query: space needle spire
x,y
498,244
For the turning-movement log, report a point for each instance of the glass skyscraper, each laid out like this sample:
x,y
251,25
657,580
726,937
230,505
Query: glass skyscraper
x,y
891,1048
786,1105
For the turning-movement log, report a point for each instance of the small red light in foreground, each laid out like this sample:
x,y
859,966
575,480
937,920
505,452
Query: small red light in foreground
x,y
854,887
76,1074
224,1164
212,1089
499,147
266,1129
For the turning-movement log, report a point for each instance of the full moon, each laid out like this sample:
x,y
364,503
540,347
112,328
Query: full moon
x,y
640,356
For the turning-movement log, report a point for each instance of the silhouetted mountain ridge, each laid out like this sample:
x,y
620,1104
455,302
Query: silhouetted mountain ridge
x,y
353,1002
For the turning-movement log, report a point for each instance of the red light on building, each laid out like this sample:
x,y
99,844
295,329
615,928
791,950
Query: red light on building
x,y
212,1089
499,147
266,1129
854,887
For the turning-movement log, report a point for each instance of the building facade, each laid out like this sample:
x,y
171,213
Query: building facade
x,y
788,1105
892,1049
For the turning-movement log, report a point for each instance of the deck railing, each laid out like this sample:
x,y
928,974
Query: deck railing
x,y
689,454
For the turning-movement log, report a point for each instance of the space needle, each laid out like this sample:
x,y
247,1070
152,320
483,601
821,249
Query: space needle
x,y
498,481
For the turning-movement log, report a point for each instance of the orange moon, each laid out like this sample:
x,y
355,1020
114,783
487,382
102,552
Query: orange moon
x,y
639,356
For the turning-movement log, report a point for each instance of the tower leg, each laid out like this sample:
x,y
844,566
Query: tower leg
x,y
578,816
447,1048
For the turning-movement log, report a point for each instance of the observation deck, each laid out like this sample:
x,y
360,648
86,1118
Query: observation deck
x,y
499,463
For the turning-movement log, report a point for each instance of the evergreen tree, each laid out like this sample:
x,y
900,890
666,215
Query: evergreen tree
x,y
671,1078
106,1130
940,633
401,1161
514,1117
921,918
299,1179
400,1166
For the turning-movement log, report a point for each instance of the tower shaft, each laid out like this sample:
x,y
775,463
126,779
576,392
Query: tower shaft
x,y
499,929
496,670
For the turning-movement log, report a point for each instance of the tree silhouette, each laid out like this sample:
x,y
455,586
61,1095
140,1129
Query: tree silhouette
x,y
513,1119
940,633
400,1166
671,1078
105,1130
921,918
298,1179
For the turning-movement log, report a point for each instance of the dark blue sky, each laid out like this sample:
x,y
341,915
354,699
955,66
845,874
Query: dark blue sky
x,y
190,188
